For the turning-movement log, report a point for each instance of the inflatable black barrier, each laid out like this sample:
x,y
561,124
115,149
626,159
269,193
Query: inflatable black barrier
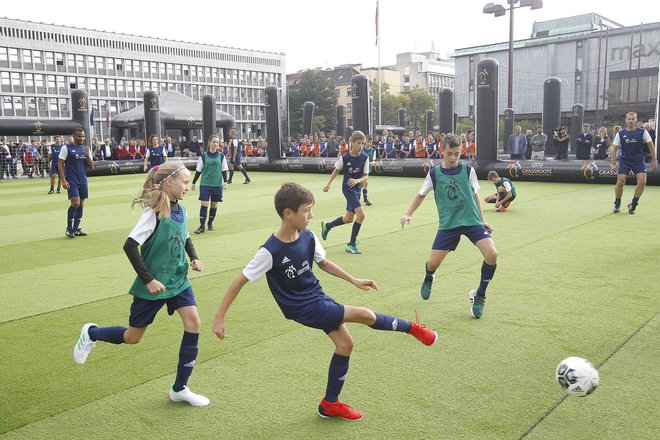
x,y
509,121
341,120
446,110
551,117
518,170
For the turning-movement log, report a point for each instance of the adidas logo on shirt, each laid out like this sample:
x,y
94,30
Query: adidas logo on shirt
x,y
285,260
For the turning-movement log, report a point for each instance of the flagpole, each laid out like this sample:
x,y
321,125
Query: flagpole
x,y
380,96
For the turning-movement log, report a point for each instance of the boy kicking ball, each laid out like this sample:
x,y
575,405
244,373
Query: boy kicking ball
x,y
287,259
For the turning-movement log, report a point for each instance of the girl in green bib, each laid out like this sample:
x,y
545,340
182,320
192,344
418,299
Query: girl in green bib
x,y
157,248
212,168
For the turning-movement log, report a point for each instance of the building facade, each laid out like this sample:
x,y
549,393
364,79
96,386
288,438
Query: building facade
x,y
426,70
41,63
606,67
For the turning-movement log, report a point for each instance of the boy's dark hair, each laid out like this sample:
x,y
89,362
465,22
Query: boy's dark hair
x,y
492,174
292,196
452,141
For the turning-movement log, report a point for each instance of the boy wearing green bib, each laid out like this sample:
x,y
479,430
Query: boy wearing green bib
x,y
455,187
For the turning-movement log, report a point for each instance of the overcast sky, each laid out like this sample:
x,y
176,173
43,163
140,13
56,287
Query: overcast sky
x,y
322,33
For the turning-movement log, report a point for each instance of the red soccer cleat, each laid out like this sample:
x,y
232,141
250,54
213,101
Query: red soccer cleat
x,y
338,410
425,335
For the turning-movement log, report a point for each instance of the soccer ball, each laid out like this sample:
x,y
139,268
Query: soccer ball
x,y
577,376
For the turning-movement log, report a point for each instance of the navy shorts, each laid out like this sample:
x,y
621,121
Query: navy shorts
x,y
53,168
210,192
448,240
236,161
143,311
352,198
637,167
324,314
77,190
501,195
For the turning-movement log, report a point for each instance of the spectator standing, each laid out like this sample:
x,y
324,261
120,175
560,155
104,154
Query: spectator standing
x,y
169,147
584,142
561,139
528,150
538,144
517,144
5,156
53,158
333,146
601,143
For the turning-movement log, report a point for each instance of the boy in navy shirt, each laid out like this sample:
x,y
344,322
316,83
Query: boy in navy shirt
x,y
54,156
632,141
356,172
287,259
74,159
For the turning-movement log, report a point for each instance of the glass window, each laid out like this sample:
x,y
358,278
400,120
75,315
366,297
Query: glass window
x,y
92,84
27,56
161,68
111,85
100,62
29,80
170,69
154,67
15,79
177,69
32,105
13,55
4,56
119,65
110,63
91,62
52,104
145,66
80,61
81,82
19,103
5,78
43,109
207,72
59,59
129,65
36,57
120,85
101,83
138,86
51,82
70,60
129,86
63,103
7,105
60,81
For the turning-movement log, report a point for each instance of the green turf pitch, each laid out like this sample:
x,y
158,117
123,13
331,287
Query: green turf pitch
x,y
572,279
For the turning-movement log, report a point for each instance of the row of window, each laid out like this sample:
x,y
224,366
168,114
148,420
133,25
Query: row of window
x,y
79,40
60,84
48,107
120,66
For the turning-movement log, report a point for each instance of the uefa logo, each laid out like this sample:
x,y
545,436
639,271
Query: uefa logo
x,y
515,170
427,165
285,165
378,167
114,168
590,170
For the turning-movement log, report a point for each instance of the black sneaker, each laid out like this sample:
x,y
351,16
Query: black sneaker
x,y
210,227
79,233
367,202
58,190
199,230
229,182
631,208
247,181
616,208
51,191
69,233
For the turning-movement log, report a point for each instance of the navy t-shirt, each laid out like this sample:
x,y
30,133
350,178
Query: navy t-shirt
x,y
632,144
75,161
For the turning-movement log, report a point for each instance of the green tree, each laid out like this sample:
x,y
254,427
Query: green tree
x,y
315,87
390,106
420,100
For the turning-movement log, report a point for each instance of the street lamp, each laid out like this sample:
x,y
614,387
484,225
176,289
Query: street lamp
x,y
498,11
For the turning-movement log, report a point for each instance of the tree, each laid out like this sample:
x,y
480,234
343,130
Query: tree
x,y
420,100
390,106
313,86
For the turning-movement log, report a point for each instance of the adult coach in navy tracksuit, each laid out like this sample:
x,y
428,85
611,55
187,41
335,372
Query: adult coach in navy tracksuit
x,y
72,165
632,141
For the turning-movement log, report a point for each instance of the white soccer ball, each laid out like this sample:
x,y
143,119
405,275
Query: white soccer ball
x,y
577,376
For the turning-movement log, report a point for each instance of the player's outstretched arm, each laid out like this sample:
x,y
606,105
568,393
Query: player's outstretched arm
x,y
417,201
333,269
231,294
332,177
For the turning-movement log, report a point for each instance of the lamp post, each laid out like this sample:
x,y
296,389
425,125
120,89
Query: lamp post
x,y
499,10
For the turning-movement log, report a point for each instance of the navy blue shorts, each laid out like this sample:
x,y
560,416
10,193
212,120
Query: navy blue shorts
x,y
53,168
352,198
236,161
637,167
77,190
210,192
501,195
448,240
325,314
143,311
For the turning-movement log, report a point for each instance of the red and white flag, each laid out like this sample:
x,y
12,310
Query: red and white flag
x,y
107,117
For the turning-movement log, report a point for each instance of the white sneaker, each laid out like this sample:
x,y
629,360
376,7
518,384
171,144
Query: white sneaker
x,y
185,395
84,345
